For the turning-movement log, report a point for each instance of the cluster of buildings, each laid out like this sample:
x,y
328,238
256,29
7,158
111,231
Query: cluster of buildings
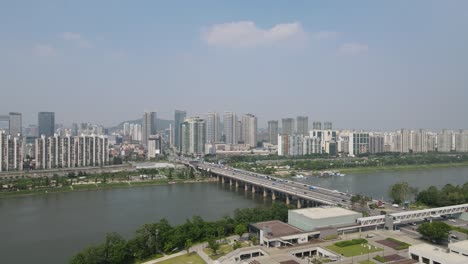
x,y
50,146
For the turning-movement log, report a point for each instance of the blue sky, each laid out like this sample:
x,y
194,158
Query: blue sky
x,y
360,64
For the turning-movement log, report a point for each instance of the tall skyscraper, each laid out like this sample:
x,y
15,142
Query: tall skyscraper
x,y
302,125
148,126
230,127
327,126
249,130
46,123
15,124
213,133
193,139
74,129
273,132
287,126
317,125
179,118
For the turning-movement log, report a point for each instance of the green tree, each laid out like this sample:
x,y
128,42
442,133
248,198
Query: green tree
x,y
400,192
214,245
115,249
435,231
236,245
90,255
188,245
240,229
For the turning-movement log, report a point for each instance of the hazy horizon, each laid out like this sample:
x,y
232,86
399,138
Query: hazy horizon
x,y
361,64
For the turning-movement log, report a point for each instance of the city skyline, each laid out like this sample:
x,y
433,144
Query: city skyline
x,y
352,63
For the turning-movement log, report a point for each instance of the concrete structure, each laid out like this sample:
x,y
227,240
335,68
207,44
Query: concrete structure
x,y
277,234
460,248
461,141
230,128
287,126
15,124
193,136
179,118
317,125
154,146
445,140
429,254
302,125
249,130
70,152
273,132
358,143
213,128
309,219
376,143
148,127
11,152
46,123
328,125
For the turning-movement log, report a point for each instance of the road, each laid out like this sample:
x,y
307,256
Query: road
x,y
300,190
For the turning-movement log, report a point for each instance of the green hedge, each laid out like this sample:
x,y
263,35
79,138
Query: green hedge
x,y
348,243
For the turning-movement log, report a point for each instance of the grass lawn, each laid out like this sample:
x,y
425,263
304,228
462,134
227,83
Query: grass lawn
x,y
366,262
223,250
354,250
193,258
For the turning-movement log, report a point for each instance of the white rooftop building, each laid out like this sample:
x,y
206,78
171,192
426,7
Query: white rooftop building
x,y
429,254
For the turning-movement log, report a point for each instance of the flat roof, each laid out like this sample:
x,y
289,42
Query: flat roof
x,y
324,212
460,244
430,251
278,229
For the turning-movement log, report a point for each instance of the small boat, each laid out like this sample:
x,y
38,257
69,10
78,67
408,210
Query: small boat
x,y
299,177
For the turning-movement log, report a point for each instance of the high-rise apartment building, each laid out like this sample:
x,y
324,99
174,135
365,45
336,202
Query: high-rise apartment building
x,y
249,130
70,152
15,123
231,127
358,143
273,132
46,123
193,139
328,125
445,140
11,152
179,118
213,129
302,125
5,123
461,141
317,125
287,126
154,146
148,126
376,143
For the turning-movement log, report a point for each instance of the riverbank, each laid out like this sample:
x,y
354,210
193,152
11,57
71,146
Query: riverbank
x,y
403,167
98,186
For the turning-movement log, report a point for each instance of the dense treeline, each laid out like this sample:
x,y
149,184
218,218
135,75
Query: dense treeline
x,y
374,160
160,237
448,195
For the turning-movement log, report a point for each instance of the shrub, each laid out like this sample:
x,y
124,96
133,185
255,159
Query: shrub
x,y
348,243
380,259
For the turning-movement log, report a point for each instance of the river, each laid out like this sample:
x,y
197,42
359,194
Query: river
x,y
51,228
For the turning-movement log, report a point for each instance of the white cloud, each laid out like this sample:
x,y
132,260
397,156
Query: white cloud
x,y
354,48
321,35
76,38
42,50
247,34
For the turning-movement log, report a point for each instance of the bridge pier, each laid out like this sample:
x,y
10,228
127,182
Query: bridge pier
x,y
222,180
299,204
230,182
287,199
253,188
237,184
273,196
265,192
246,188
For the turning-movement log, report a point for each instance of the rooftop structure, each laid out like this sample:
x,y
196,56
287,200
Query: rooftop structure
x,y
309,219
425,253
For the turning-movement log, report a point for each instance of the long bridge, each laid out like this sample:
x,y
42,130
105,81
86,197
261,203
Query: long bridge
x,y
302,194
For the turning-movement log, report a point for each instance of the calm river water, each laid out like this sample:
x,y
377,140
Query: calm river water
x,y
50,229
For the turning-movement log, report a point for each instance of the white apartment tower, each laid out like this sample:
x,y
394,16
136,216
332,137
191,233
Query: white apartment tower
x,y
249,130
230,127
213,131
